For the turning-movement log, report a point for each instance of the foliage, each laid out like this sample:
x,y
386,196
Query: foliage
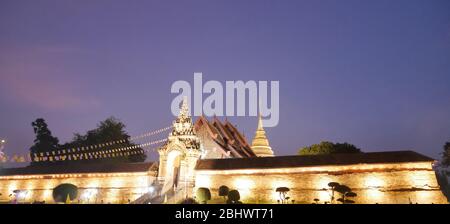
x,y
234,197
223,191
325,147
282,194
44,142
64,191
203,195
333,186
346,192
108,130
441,176
446,154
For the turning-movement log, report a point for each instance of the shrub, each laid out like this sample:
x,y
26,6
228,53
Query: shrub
x,y
64,191
234,197
203,195
223,191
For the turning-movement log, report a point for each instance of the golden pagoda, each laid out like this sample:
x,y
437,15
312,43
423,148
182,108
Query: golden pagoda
x,y
260,143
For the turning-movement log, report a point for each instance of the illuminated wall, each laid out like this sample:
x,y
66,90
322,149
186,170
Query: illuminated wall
x,y
92,188
377,183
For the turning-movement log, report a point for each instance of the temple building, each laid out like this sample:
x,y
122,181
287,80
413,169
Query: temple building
x,y
222,139
212,153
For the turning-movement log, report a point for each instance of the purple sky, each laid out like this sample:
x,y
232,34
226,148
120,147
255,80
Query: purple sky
x,y
372,73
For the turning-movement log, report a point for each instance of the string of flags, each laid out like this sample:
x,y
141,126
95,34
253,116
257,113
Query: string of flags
x,y
111,143
150,133
87,152
110,153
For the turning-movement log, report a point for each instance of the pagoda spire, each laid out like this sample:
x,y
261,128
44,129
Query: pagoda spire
x,y
260,143
184,110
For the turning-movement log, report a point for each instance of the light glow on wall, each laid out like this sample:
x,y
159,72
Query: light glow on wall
x,y
324,196
116,182
373,182
375,195
12,186
420,179
426,166
425,197
89,194
202,181
244,186
322,182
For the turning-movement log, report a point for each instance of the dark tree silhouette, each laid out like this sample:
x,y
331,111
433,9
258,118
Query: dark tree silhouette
x,y
234,197
328,148
108,130
62,191
332,186
446,154
44,142
282,191
223,192
346,192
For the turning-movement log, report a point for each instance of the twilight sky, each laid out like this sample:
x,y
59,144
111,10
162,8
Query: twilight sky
x,y
372,73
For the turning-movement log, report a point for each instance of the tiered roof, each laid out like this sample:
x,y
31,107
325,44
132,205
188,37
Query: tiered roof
x,y
226,135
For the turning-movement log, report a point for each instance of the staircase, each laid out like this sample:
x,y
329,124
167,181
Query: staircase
x,y
166,196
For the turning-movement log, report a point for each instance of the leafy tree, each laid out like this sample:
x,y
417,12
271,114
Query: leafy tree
x,y
44,142
446,154
203,195
63,192
282,191
108,130
234,197
223,191
333,186
346,192
328,148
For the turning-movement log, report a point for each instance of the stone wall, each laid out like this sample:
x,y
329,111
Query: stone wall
x,y
92,188
382,183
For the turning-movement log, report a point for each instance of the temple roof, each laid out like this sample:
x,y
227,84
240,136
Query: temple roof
x,y
71,168
227,136
312,160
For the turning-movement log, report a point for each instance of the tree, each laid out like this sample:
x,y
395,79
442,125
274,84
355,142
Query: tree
x,y
65,192
108,130
325,147
44,142
282,191
446,154
332,186
203,195
234,197
223,192
346,192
